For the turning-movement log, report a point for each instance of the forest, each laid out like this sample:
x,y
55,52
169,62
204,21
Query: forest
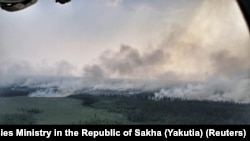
x,y
18,108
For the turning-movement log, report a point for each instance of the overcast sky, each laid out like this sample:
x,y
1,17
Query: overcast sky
x,y
48,36
77,32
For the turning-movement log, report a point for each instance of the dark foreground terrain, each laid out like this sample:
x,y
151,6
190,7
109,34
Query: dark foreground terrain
x,y
140,109
17,108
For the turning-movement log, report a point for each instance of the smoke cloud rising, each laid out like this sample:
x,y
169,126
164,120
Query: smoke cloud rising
x,y
202,56
210,44
212,50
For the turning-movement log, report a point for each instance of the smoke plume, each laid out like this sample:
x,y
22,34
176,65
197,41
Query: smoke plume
x,y
212,50
201,56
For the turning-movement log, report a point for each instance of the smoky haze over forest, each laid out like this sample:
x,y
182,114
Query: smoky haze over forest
x,y
191,50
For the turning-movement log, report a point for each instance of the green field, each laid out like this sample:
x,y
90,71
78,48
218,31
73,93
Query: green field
x,y
26,110
117,109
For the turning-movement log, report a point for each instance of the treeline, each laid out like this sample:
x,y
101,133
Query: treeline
x,y
140,109
12,92
21,117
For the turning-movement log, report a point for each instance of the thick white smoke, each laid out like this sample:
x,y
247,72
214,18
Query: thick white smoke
x,y
212,49
227,46
202,57
214,42
214,91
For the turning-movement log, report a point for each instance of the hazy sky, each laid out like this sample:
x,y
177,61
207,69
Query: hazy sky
x,y
47,33
156,41
50,38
